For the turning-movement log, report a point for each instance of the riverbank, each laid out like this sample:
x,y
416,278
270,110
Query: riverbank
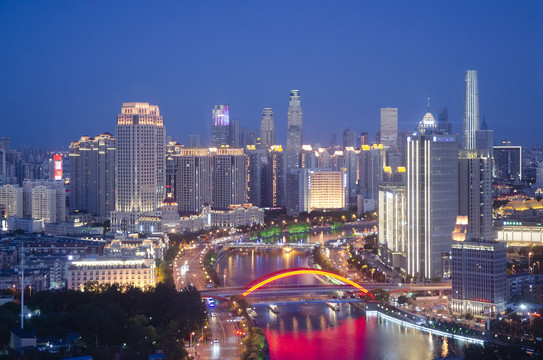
x,y
402,317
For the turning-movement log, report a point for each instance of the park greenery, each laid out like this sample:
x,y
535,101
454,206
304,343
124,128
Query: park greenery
x,y
118,322
208,263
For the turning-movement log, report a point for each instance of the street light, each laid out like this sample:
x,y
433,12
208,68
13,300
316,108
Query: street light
x,y
191,335
529,264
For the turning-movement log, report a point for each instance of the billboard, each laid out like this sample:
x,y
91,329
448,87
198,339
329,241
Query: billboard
x,y
57,166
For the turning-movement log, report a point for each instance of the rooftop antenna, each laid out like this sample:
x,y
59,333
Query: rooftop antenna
x,y
428,104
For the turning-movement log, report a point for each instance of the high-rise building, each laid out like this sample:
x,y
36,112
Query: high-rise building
x,y
195,141
389,128
371,163
267,128
508,161
220,130
194,176
234,133
172,155
11,197
364,139
244,137
475,192
276,178
393,225
44,200
140,164
294,129
308,159
432,199
92,175
349,138
256,178
471,110
478,273
315,189
229,177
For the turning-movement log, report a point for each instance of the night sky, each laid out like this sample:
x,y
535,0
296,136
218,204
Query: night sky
x,y
67,66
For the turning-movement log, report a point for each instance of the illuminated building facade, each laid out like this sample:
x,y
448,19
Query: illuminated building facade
x,y
220,129
308,157
294,129
136,272
471,110
276,178
229,177
389,128
193,180
393,225
11,197
326,190
140,164
478,274
267,128
432,199
92,175
508,161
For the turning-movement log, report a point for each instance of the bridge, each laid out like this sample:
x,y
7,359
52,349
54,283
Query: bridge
x,y
268,245
290,290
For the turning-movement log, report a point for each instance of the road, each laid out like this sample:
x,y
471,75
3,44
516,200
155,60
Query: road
x,y
188,270
225,344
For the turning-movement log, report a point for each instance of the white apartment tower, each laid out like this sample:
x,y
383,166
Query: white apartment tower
x,y
471,110
44,200
267,128
294,129
141,163
11,196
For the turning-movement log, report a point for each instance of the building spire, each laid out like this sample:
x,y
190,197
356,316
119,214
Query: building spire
x,y
428,104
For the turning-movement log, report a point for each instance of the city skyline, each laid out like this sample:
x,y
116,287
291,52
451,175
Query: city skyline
x,y
343,85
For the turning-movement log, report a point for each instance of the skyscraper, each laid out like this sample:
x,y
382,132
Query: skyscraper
x,y
141,165
294,129
229,178
389,128
276,179
220,130
432,199
267,128
92,175
194,174
471,110
234,133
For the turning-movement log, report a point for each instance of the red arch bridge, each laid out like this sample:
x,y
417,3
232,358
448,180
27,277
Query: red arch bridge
x,y
258,288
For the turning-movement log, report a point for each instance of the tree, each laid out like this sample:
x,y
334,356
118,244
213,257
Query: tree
x,y
380,295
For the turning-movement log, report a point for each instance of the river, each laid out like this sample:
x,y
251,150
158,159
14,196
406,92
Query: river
x,y
302,331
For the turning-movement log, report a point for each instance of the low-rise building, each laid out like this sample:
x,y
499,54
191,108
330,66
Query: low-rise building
x,y
136,272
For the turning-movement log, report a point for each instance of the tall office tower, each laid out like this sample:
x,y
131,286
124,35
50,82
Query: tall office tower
x,y
484,141
508,161
475,192
267,128
297,194
234,133
443,123
478,273
194,179
432,199
471,110
229,177
364,139
173,150
44,200
92,178
277,177
308,159
389,128
11,197
349,138
244,137
195,140
402,145
392,225
371,163
220,129
294,129
256,177
347,161
141,164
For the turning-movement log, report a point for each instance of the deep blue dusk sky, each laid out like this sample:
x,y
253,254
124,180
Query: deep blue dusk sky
x,y
67,66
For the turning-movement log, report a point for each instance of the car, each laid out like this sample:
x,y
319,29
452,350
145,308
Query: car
x,y
213,314
216,341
